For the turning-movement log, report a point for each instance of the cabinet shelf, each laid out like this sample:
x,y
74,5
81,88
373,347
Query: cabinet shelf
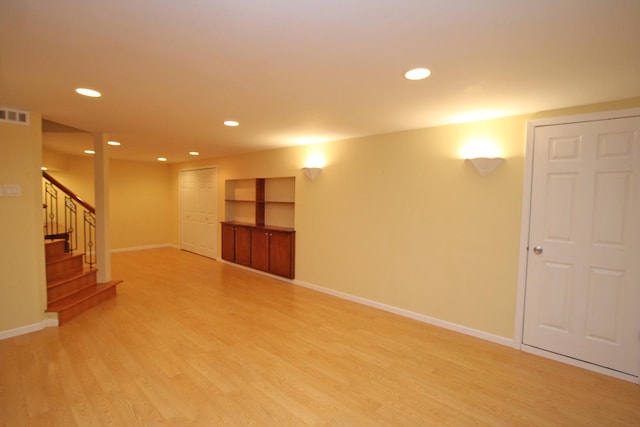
x,y
261,201
239,223
272,228
276,202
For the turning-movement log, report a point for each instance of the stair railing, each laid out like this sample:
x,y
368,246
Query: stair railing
x,y
68,229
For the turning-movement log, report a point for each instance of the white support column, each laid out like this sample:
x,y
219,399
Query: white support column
x,y
102,244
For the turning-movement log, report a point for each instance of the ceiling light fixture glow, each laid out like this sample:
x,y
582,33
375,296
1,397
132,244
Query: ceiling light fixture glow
x,y
89,151
114,143
162,159
194,153
88,92
417,74
231,123
305,140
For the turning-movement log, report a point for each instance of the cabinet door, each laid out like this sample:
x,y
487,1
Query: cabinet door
x,y
228,242
260,249
281,250
243,245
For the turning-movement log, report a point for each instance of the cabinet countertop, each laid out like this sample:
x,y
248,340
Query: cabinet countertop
x,y
260,227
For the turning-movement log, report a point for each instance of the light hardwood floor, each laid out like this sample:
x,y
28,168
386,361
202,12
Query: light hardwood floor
x,y
192,342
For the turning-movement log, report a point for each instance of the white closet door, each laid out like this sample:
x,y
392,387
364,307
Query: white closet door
x,y
198,211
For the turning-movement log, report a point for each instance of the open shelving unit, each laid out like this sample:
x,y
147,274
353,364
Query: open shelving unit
x,y
261,202
258,230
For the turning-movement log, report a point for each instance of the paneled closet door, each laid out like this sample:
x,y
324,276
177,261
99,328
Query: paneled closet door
x,y
583,274
198,211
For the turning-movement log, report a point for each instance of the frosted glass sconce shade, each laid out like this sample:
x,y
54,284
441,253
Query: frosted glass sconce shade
x,y
311,173
485,165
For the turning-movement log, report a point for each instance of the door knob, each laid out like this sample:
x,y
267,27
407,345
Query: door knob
x,y
537,250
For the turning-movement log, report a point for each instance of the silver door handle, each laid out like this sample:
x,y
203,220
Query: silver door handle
x,y
537,250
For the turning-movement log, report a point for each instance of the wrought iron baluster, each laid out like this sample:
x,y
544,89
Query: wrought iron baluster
x,y
89,233
50,209
71,224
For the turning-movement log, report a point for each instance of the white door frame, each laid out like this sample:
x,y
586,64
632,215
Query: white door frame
x,y
180,205
524,233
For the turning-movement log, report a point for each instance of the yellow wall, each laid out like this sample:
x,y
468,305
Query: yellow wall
x,y
402,220
22,273
140,204
398,218
139,193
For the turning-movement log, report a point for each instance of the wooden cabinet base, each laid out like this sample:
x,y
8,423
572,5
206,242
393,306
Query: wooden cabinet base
x,y
268,249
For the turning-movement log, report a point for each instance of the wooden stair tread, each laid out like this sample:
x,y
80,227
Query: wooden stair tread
x,y
62,258
80,296
62,281
72,295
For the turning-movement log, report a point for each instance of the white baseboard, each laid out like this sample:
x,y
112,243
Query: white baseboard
x,y
389,308
263,273
46,323
142,248
410,314
580,364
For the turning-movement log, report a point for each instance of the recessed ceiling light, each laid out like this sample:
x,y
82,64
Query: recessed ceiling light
x,y
90,151
231,123
44,168
88,92
162,159
194,153
417,74
114,143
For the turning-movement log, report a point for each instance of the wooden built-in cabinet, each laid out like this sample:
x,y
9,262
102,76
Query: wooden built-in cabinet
x,y
272,250
236,243
258,230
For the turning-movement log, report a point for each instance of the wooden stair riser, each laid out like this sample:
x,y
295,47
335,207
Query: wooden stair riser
x,y
54,249
63,288
73,305
75,297
67,266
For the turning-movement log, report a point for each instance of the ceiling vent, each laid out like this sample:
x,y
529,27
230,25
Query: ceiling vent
x,y
11,115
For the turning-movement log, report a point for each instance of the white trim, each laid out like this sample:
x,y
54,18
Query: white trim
x,y
580,364
385,307
410,314
524,232
142,248
28,328
518,329
589,117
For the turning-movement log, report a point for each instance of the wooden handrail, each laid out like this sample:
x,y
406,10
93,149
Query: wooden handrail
x,y
69,193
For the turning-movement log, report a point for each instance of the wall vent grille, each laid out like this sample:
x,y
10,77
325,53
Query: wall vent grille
x,y
11,115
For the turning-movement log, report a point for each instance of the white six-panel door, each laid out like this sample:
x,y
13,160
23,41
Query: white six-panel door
x,y
198,213
583,270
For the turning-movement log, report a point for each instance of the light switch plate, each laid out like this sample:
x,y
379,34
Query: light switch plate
x,y
11,190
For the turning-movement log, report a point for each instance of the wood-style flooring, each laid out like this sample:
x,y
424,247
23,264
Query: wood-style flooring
x,y
190,341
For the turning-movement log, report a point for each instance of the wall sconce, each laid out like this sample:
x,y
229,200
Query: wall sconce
x,y
485,165
311,173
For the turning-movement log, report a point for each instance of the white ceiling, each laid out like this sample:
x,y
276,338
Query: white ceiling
x,y
295,71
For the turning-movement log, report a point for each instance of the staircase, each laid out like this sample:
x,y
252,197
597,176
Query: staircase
x,y
71,287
